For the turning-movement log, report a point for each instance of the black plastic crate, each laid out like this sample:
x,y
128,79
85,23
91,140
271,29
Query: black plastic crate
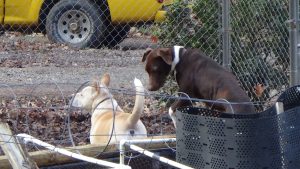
x,y
212,140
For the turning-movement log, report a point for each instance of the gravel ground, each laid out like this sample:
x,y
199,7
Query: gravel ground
x,y
31,59
27,60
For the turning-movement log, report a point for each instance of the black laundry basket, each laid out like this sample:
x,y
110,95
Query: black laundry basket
x,y
212,140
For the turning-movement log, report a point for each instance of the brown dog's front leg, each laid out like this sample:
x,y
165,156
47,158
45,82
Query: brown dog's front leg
x,y
174,106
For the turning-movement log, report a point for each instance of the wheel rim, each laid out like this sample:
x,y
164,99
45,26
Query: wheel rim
x,y
74,26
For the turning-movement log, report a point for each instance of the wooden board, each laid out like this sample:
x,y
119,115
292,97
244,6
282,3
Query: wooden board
x,y
46,157
16,157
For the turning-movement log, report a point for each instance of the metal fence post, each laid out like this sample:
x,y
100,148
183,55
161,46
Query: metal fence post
x,y
294,55
226,54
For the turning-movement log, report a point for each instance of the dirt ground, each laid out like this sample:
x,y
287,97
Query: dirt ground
x,y
42,75
30,59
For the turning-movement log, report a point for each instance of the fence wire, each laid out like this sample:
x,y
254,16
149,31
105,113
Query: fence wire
x,y
259,38
258,53
42,111
259,32
259,50
260,46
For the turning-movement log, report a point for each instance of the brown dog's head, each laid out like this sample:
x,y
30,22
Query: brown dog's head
x,y
158,66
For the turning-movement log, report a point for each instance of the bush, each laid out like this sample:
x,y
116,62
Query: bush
x,y
259,37
193,25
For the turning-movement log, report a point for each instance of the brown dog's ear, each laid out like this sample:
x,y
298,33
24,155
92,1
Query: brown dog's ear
x,y
165,54
105,79
148,50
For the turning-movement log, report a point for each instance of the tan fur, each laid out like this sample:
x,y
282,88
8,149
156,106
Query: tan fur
x,y
108,113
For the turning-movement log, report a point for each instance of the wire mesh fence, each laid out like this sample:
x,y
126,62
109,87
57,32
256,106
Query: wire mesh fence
x,y
81,23
257,48
259,31
253,39
260,45
44,111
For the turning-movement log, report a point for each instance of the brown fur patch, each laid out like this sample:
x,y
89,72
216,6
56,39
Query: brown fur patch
x,y
165,54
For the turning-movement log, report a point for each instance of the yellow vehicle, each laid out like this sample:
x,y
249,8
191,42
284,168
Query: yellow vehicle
x,y
81,23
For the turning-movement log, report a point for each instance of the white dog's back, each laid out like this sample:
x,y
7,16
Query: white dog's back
x,y
108,116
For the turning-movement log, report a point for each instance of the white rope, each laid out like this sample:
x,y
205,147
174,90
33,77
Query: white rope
x,y
28,138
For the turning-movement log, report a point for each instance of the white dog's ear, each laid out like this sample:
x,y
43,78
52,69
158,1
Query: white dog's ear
x,y
105,79
96,85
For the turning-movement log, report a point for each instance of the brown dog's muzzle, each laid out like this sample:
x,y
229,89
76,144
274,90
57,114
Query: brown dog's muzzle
x,y
154,84
151,88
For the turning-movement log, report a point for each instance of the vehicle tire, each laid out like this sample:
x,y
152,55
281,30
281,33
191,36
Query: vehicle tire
x,y
115,34
46,7
77,23
2,30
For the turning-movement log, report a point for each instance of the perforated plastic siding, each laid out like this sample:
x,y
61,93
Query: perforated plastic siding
x,y
214,140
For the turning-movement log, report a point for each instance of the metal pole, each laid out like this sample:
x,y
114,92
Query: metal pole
x,y
294,55
157,157
141,141
226,34
122,151
149,153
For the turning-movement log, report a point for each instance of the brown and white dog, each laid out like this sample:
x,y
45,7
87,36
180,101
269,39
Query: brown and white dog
x,y
106,113
198,76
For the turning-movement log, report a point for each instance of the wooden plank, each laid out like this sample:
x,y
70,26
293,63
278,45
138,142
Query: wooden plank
x,y
46,157
17,158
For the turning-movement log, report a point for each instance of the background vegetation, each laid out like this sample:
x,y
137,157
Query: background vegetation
x,y
259,38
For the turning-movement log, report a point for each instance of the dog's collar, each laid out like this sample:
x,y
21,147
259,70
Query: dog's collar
x,y
175,56
107,98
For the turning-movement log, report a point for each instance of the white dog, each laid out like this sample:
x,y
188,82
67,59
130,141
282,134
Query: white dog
x,y
106,113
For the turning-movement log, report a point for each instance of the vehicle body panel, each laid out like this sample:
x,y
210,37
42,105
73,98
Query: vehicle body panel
x,y
126,11
133,10
1,11
26,12
22,12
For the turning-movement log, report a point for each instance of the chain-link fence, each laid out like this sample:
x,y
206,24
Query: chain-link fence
x,y
249,37
256,40
260,45
44,111
81,23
